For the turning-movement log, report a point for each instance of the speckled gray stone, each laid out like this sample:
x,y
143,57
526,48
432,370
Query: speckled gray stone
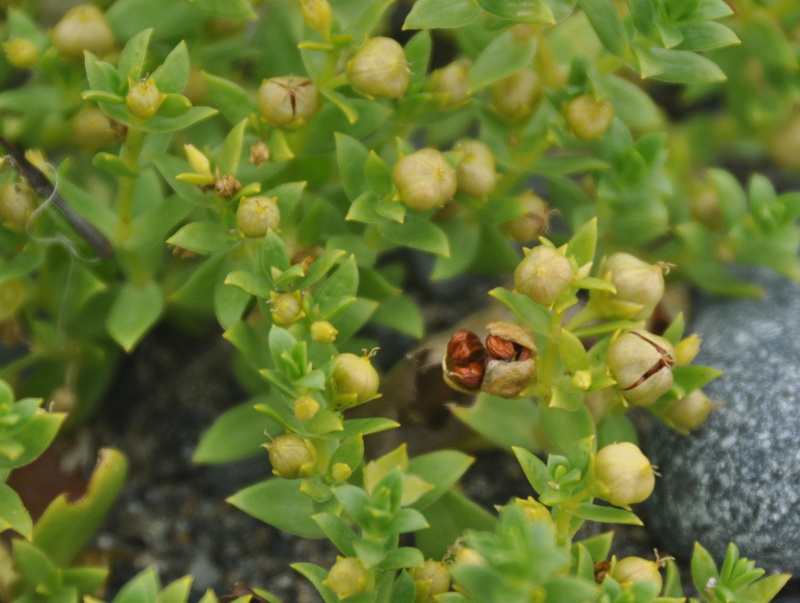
x,y
737,477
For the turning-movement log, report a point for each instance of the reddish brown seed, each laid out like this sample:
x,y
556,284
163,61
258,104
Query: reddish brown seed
x,y
500,348
470,375
465,348
600,570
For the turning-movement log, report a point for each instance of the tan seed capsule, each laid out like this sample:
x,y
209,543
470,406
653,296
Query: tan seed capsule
x,y
354,381
91,129
623,475
258,215
517,96
431,579
347,577
543,275
450,85
535,222
287,102
475,175
424,179
379,68
689,412
630,570
83,27
510,359
641,363
639,287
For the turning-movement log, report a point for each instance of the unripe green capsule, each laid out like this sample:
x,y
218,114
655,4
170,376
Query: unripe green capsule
x,y
317,14
379,68
535,222
11,297
347,577
286,308
517,96
91,130
288,101
630,570
424,179
354,381
587,117
475,175
323,332
291,456
543,275
17,202
641,363
431,579
83,27
258,215
623,475
305,408
143,98
689,412
22,53
450,85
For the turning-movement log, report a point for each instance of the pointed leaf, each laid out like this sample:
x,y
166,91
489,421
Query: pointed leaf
x,y
279,502
437,14
134,312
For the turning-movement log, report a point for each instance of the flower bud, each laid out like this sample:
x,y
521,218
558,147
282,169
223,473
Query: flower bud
x,y
516,96
197,160
17,202
468,556
475,175
587,117
22,53
291,456
689,412
450,85
639,285
11,298
431,579
288,101
354,381
258,154
91,129
347,577
341,472
533,510
83,27
305,408
582,380
630,570
143,98
623,475
510,353
687,349
543,275
286,308
323,332
424,179
641,363
533,223
257,215
379,68
317,14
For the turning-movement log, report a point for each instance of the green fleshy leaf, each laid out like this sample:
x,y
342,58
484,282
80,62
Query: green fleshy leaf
x,y
177,591
417,233
524,11
571,589
343,103
684,67
131,60
703,567
13,514
237,434
204,237
448,517
565,427
113,165
535,315
231,9
35,568
506,422
134,312
442,469
144,586
766,589
506,54
706,35
231,152
279,502
566,164
232,100
605,514
352,156
566,395
402,314
338,531
172,75
437,14
378,174
65,527
607,24
169,166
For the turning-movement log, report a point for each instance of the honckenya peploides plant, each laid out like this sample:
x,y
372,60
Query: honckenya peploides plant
x,y
259,163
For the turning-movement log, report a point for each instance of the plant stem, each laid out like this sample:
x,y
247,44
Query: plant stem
x,y
130,157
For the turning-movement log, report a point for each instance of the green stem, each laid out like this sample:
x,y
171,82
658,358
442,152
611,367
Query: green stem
x,y
547,369
586,314
130,157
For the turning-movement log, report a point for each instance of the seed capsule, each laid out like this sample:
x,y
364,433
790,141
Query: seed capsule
x,y
143,98
83,27
533,223
630,570
639,287
641,363
379,68
450,85
288,101
91,129
258,215
543,275
475,175
17,202
424,179
623,475
689,412
22,53
587,117
431,579
11,297
286,308
354,381
516,96
291,456
347,577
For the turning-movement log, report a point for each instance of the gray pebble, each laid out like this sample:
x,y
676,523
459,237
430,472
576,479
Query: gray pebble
x,y
737,477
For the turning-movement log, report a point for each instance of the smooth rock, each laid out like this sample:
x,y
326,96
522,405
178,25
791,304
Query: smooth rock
x,y
737,477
